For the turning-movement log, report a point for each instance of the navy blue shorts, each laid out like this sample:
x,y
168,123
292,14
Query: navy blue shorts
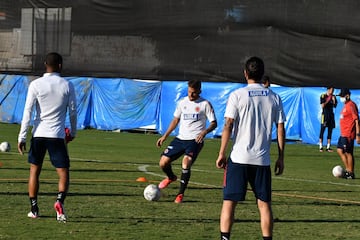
x,y
236,179
56,148
346,144
179,147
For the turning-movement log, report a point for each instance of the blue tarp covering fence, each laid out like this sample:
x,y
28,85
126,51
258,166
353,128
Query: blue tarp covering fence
x,y
117,103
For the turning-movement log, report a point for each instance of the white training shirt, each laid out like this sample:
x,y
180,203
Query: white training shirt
x,y
255,109
193,116
52,96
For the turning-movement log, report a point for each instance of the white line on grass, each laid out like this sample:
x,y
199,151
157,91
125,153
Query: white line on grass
x,y
143,168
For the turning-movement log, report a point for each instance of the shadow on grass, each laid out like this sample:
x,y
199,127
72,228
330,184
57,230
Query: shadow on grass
x,y
104,219
72,194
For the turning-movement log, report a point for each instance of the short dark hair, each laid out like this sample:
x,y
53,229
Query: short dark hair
x,y
196,84
266,78
254,68
53,60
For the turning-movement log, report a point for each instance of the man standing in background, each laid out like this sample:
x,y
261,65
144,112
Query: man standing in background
x,y
328,102
349,131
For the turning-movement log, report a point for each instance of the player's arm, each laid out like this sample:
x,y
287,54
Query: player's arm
x,y
171,128
72,108
357,131
211,127
225,137
335,101
279,164
25,123
322,101
325,99
202,135
210,115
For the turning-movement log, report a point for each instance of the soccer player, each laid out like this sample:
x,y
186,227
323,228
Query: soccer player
x,y
192,113
250,114
52,97
349,130
328,102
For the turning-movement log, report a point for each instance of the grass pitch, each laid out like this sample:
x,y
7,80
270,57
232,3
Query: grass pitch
x,y
106,202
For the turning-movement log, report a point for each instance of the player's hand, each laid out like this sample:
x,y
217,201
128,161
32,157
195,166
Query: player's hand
x,y
21,147
221,161
68,137
160,141
200,138
328,99
279,166
357,139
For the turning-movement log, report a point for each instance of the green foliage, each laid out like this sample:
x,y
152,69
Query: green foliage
x,y
106,202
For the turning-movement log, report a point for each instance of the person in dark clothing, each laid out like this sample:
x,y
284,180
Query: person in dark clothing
x,y
328,102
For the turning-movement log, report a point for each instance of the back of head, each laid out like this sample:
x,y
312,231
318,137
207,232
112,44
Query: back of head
x,y
54,61
254,68
196,84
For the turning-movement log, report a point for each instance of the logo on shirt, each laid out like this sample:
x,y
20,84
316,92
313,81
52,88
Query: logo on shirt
x,y
258,93
191,116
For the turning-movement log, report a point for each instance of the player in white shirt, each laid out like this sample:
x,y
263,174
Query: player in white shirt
x,y
192,113
250,115
52,97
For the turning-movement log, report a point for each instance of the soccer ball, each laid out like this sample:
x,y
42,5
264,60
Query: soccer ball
x,y
338,171
152,192
5,147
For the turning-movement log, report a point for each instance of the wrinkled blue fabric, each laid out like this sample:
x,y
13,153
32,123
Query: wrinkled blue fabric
x,y
125,104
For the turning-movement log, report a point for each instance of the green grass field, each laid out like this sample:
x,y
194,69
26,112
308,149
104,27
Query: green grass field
x,y
106,202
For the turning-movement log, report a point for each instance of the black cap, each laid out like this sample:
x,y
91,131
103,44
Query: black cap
x,y
344,92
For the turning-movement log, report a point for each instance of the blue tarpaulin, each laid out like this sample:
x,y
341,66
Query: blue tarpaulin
x,y
118,103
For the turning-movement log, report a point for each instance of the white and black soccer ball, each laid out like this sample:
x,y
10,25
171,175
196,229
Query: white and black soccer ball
x,y
152,192
338,171
5,147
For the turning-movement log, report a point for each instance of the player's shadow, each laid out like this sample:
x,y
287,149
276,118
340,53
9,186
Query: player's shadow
x,y
177,220
91,194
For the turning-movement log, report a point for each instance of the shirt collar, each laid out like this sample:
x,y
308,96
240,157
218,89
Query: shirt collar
x,y
51,74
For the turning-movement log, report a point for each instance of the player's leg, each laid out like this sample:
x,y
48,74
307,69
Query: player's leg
x,y
34,180
341,148
234,191
35,158
345,148
349,173
192,150
63,184
170,154
60,160
329,134
266,218
185,178
321,136
227,218
260,181
165,165
33,187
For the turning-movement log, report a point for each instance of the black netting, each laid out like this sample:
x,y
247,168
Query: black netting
x,y
303,43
